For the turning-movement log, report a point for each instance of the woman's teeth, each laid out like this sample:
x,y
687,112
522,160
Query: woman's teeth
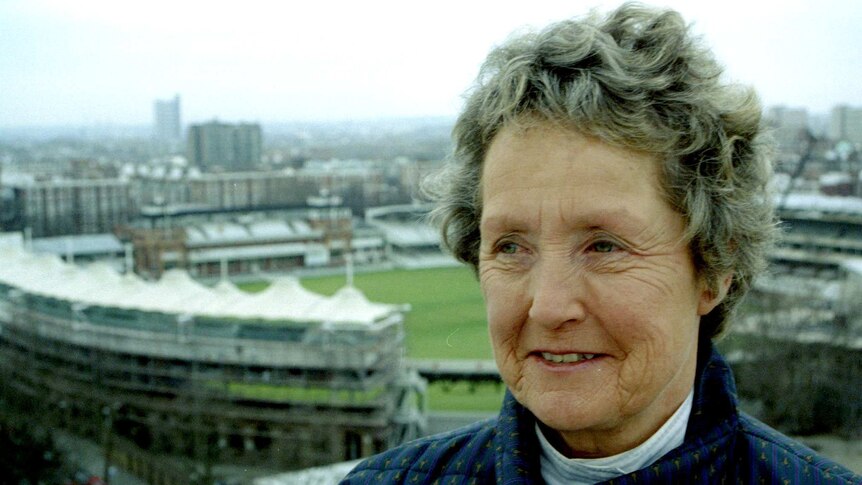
x,y
566,358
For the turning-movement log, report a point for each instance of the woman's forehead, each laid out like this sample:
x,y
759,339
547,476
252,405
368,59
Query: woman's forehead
x,y
551,174
548,155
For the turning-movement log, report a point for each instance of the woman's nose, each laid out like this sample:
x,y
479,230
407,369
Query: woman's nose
x,y
557,294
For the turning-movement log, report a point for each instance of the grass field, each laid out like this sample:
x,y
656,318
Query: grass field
x,y
446,321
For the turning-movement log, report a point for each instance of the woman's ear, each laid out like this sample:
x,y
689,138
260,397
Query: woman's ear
x,y
709,299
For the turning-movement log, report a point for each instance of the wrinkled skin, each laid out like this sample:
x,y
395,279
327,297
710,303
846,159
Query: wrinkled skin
x,y
580,254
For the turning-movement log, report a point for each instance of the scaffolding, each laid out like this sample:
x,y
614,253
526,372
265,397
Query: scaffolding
x,y
250,392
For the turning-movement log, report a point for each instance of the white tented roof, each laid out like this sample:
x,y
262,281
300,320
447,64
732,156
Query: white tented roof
x,y
177,293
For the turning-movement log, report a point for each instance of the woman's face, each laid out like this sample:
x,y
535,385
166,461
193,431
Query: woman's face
x,y
593,303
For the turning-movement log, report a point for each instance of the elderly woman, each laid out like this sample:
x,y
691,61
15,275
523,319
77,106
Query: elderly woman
x,y
610,192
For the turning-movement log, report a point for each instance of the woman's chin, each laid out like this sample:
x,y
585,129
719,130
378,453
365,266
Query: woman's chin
x,y
570,412
569,396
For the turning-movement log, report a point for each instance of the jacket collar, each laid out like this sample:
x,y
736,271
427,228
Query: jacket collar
x,y
715,401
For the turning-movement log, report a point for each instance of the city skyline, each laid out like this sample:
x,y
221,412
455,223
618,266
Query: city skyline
x,y
95,62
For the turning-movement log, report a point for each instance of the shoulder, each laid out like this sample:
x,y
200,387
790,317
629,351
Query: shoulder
x,y
772,454
464,452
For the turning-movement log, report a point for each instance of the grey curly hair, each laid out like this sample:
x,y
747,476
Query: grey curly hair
x,y
636,79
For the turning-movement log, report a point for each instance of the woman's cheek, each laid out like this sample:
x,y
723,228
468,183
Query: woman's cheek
x,y
503,302
496,286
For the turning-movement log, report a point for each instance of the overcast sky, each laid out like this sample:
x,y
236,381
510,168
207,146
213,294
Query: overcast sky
x,y
106,61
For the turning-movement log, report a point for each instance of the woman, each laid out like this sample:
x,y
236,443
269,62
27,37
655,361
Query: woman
x,y
610,192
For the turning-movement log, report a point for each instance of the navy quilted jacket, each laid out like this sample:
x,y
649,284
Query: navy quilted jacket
x,y
721,445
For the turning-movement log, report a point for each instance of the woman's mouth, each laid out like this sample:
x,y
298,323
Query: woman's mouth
x,y
566,358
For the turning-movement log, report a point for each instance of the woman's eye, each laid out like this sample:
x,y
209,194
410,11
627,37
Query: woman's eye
x,y
508,248
603,246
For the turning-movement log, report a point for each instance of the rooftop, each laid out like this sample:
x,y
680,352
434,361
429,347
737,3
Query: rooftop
x,y
98,284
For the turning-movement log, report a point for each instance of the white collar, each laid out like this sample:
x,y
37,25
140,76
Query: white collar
x,y
559,470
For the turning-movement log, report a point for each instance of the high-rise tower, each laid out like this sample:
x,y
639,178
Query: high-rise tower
x,y
166,119
224,146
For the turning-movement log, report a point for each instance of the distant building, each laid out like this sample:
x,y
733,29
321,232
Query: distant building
x,y
61,207
790,126
166,119
251,190
837,184
846,124
86,248
225,147
271,189
210,245
411,242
